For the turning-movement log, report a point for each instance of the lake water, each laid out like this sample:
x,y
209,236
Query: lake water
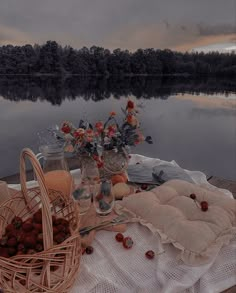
x,y
189,123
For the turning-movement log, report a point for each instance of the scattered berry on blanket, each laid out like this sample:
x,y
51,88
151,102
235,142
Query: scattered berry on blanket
x,y
128,242
204,206
119,237
144,186
193,196
89,250
150,254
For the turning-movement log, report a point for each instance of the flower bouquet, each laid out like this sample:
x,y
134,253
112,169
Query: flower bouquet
x,y
106,142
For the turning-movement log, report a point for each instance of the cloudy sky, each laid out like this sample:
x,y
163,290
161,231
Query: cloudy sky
x,y
127,24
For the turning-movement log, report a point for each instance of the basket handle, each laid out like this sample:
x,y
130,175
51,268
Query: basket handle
x,y
46,212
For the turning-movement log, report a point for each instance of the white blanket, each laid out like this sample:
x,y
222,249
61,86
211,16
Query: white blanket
x,y
111,268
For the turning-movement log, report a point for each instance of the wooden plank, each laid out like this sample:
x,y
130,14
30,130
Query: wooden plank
x,y
224,183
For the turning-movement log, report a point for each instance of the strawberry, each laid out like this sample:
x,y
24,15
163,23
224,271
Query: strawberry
x,y
55,231
58,222
60,237
192,196
11,251
64,222
4,252
30,241
39,247
38,227
38,217
128,242
17,222
3,241
204,206
10,227
12,233
20,252
31,251
89,250
119,237
12,242
67,230
35,233
61,228
20,247
144,186
150,254
27,227
29,220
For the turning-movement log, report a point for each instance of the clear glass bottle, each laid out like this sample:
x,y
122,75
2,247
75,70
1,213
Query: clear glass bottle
x,y
55,168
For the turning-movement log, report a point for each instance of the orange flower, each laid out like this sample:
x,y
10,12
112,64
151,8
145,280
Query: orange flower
x,y
112,114
79,133
129,118
130,104
99,126
66,127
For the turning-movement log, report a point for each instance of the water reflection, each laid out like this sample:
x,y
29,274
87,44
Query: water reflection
x,y
58,89
197,133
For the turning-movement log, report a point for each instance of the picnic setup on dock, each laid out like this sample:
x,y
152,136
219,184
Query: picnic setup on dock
x,y
117,222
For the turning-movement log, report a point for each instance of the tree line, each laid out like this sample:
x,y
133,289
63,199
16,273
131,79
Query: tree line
x,y
56,89
51,58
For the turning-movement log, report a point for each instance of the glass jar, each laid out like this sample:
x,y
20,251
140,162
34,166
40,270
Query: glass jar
x,y
114,162
55,168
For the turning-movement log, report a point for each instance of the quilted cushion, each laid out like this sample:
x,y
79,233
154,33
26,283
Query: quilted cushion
x,y
169,210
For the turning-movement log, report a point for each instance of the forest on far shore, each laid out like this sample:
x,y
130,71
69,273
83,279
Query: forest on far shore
x,y
51,58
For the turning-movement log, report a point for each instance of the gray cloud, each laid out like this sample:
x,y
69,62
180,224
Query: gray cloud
x,y
109,22
207,30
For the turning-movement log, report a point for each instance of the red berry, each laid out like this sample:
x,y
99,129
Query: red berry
x,y
89,250
12,242
128,242
38,217
119,237
99,197
137,191
11,251
30,241
204,206
192,196
60,237
27,227
10,227
144,186
150,254
20,247
38,227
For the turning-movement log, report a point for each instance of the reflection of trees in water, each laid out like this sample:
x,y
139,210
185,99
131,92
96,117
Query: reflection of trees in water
x,y
56,89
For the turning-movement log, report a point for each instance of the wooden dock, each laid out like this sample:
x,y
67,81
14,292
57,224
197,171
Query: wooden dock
x,y
216,181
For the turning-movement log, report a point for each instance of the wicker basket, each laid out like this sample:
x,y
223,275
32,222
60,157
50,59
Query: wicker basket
x,y
54,269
